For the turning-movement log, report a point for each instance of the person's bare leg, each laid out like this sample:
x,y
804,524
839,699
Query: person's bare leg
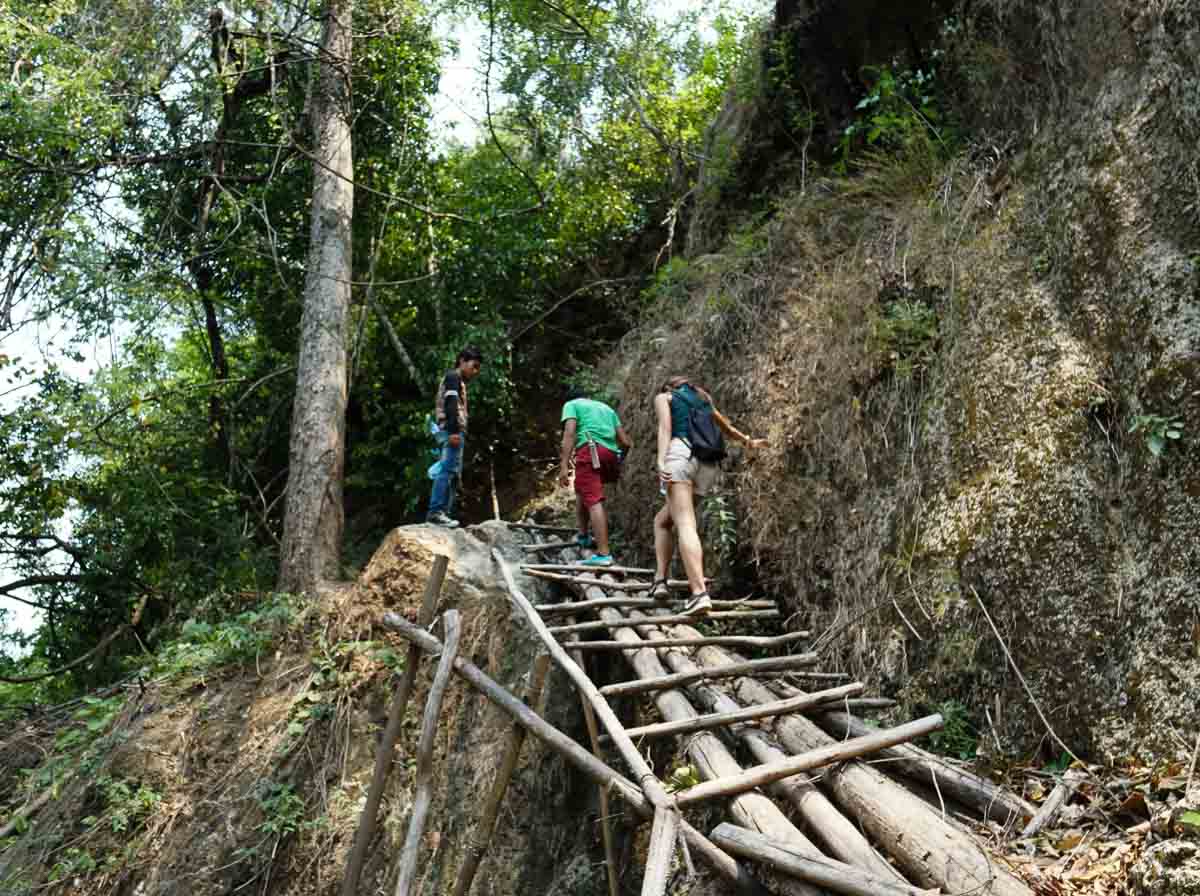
x,y
664,542
599,520
581,515
683,514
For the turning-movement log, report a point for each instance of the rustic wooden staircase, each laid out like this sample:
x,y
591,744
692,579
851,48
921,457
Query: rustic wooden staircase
x,y
855,831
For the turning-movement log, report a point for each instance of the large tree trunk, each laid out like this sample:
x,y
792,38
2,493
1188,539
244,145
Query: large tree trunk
x,y
312,526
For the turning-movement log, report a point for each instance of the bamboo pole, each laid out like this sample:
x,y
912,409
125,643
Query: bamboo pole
x,y
760,711
537,527
579,567
577,756
548,546
663,833
508,763
726,640
750,667
808,760
614,585
990,800
610,850
714,617
832,875
423,780
654,882
384,755
644,603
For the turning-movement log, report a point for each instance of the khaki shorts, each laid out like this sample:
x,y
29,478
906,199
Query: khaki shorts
x,y
682,467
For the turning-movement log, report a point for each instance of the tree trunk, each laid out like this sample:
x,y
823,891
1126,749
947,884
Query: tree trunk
x,y
313,521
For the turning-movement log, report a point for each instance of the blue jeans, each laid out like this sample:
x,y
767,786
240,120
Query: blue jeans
x,y
442,498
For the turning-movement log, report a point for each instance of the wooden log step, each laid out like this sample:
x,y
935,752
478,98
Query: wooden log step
x,y
591,581
751,667
834,876
645,603
810,759
726,640
548,546
537,527
663,620
987,798
579,567
763,710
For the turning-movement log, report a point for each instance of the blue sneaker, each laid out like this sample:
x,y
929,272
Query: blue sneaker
x,y
598,560
584,541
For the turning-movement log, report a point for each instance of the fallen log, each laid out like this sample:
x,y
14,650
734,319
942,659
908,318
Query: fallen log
x,y
423,779
744,714
930,851
726,640
586,763
750,667
839,751
835,876
715,617
645,603
838,835
990,800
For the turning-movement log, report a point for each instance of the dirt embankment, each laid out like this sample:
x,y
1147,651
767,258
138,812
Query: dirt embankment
x,y
216,777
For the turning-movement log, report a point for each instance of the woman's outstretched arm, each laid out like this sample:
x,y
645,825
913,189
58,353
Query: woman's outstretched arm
x,y
734,433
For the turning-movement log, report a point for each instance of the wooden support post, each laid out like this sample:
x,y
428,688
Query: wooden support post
x,y
654,789
424,776
832,875
610,848
383,757
643,603
726,640
577,756
633,623
763,710
988,799
808,760
508,763
751,667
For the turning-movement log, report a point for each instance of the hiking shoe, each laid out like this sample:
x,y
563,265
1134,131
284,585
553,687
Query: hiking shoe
x,y
442,519
598,560
659,591
584,540
699,605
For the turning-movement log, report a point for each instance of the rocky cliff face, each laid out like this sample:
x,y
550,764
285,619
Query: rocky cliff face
x,y
967,370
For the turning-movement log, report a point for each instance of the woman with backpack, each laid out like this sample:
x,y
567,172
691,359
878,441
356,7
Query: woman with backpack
x,y
690,446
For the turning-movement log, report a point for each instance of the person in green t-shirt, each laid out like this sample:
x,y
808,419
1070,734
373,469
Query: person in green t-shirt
x,y
593,434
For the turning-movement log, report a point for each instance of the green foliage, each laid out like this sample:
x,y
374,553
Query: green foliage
x,y
906,333
958,737
1157,431
720,524
681,778
202,647
126,805
283,810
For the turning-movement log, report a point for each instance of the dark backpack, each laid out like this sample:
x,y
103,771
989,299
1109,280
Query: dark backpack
x,y
705,437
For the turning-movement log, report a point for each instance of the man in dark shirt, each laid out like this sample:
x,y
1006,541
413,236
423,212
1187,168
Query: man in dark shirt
x,y
450,411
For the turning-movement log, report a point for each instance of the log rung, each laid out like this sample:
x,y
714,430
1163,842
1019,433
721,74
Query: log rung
x,y
663,620
577,607
760,711
750,667
716,640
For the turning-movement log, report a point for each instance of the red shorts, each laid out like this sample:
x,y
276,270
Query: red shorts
x,y
589,482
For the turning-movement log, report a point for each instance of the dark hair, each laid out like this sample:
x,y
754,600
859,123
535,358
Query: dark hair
x,y
574,390
470,353
676,382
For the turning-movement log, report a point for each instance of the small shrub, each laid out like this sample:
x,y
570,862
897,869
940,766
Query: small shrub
x,y
1157,431
958,737
906,333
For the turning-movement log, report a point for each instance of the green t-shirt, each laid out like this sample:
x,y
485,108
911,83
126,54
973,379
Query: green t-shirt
x,y
592,418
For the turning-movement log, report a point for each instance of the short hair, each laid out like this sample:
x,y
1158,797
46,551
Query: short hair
x,y
574,391
470,353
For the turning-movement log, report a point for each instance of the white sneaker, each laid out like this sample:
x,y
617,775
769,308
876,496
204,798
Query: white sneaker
x,y
442,519
699,605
